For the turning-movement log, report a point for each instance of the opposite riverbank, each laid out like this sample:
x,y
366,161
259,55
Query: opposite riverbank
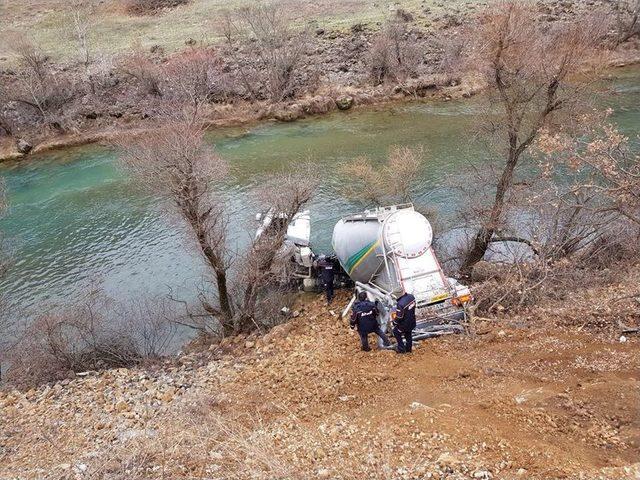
x,y
335,68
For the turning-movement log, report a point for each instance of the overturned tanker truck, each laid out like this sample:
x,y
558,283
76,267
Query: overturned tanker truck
x,y
387,251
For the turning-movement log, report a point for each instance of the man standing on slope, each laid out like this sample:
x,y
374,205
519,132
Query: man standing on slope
x,y
364,317
404,322
327,272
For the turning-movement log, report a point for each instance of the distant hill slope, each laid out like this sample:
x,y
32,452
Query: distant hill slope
x,y
49,22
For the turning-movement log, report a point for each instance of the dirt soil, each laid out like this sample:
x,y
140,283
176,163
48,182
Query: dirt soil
x,y
539,401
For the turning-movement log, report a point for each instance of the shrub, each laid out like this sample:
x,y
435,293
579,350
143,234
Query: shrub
x,y
197,76
393,55
147,73
83,338
268,51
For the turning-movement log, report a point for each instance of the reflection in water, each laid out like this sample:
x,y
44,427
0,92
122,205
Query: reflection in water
x,y
75,218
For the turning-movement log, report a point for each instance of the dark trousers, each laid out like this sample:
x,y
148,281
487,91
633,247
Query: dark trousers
x,y
364,338
404,344
328,290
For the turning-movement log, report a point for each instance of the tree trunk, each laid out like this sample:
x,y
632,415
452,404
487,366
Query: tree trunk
x,y
225,304
483,237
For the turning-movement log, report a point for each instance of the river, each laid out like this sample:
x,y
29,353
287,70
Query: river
x,y
76,220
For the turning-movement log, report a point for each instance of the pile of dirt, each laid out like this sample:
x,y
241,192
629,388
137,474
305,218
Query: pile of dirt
x,y
513,401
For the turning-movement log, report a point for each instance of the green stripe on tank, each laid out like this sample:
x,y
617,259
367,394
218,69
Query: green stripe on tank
x,y
359,255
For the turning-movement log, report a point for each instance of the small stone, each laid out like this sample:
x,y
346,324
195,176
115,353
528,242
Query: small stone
x,y
122,406
167,396
23,146
521,472
249,344
344,102
482,474
324,473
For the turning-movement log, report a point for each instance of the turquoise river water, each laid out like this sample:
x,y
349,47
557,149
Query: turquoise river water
x,y
76,220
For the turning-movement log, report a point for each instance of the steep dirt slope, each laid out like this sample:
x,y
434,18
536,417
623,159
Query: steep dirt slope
x,y
304,402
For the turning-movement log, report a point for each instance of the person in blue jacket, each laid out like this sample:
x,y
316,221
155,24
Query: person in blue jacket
x,y
364,317
404,322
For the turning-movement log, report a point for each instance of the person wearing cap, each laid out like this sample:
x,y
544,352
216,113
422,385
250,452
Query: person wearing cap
x,y
364,318
327,273
404,322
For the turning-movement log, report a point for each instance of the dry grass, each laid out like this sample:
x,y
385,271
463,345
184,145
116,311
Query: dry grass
x,y
49,23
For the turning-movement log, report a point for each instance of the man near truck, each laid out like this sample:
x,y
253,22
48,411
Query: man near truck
x,y
404,322
327,272
364,317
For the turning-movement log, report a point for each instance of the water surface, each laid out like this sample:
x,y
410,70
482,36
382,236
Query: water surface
x,y
76,220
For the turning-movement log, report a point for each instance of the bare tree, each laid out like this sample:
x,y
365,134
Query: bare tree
x,y
139,66
604,166
394,54
37,86
174,161
530,70
266,48
82,14
264,267
392,182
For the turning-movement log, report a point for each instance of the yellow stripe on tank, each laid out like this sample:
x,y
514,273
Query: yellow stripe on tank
x,y
371,249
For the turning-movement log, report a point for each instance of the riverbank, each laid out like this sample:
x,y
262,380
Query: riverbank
x,y
336,70
245,114
544,395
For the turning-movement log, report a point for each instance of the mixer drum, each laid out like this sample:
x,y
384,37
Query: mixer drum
x,y
361,242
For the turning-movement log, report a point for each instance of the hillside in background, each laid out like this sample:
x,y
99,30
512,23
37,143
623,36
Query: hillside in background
x,y
116,27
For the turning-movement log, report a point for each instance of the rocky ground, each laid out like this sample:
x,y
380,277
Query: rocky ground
x,y
542,398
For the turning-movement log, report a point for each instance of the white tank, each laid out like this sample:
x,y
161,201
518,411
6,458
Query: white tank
x,y
390,249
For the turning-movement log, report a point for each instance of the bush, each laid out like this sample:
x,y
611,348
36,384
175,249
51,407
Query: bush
x,y
150,7
268,51
83,338
197,76
393,55
144,70
541,279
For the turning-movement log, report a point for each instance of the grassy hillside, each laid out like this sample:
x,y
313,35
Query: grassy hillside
x,y
48,22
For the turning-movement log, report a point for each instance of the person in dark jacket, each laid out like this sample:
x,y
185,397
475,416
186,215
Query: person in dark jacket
x,y
327,273
404,322
364,317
